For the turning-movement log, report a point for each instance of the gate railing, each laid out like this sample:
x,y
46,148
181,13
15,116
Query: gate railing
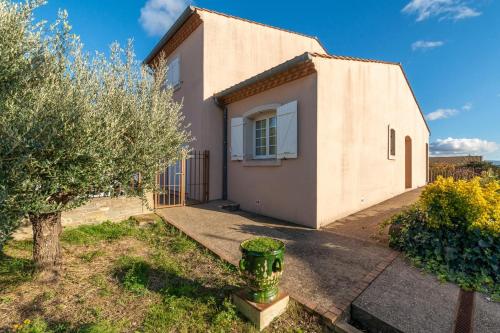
x,y
197,174
184,182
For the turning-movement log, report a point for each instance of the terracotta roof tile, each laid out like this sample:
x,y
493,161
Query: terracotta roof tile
x,y
339,57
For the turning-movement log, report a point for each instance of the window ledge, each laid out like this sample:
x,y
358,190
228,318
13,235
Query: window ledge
x,y
262,163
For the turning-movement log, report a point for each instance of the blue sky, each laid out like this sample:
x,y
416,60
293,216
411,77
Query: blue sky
x,y
450,49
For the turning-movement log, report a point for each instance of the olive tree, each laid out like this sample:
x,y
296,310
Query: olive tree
x,y
72,125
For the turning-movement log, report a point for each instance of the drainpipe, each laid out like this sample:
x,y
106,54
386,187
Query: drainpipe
x,y
224,147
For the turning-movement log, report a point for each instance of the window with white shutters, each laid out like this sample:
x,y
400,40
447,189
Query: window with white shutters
x,y
267,132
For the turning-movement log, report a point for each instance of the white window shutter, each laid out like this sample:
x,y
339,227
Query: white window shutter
x,y
237,139
287,130
177,71
173,74
248,138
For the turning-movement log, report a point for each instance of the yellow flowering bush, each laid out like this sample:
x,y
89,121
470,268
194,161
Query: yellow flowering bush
x,y
454,232
462,203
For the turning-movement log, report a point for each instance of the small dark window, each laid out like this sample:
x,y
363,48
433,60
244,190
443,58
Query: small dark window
x,y
392,142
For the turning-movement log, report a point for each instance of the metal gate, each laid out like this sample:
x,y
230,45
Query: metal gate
x,y
185,182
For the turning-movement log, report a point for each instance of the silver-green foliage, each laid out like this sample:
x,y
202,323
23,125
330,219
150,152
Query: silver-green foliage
x,y
72,124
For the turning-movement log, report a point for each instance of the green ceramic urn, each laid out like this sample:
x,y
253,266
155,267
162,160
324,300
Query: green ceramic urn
x,y
262,266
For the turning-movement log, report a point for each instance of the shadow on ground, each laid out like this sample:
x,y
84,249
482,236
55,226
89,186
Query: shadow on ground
x,y
14,270
322,266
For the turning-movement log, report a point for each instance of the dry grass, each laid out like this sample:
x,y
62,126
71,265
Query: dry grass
x,y
150,278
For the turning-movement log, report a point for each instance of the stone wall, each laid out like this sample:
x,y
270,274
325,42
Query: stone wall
x,y
95,211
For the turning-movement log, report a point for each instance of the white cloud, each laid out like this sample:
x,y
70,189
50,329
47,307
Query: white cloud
x,y
442,9
441,114
447,113
451,146
426,45
464,12
467,106
157,16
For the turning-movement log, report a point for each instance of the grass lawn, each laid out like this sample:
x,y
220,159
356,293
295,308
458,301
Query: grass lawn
x,y
129,277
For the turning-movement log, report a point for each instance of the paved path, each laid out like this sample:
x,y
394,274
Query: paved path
x,y
403,299
325,269
365,224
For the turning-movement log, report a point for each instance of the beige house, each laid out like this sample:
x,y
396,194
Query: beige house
x,y
293,132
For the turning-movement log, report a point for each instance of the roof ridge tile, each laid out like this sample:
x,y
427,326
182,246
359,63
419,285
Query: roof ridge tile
x,y
341,57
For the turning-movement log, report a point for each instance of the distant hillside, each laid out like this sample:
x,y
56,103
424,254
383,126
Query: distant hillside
x,y
497,163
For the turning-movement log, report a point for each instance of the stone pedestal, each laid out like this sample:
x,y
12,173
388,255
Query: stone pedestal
x,y
261,315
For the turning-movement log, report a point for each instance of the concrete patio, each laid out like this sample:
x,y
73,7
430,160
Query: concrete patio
x,y
325,270
344,268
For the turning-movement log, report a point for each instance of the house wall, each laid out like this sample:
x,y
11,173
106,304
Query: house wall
x,y
221,52
201,114
190,91
235,50
287,191
356,103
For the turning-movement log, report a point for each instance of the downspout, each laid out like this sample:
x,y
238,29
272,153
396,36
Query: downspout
x,y
224,147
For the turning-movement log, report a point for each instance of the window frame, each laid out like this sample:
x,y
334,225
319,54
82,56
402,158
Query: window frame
x,y
391,145
267,116
176,85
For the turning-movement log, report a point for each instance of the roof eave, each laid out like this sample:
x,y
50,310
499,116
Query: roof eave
x,y
264,75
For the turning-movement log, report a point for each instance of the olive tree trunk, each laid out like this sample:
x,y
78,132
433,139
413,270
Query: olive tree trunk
x,y
46,247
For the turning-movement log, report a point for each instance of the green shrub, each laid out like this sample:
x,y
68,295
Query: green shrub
x,y
261,244
453,232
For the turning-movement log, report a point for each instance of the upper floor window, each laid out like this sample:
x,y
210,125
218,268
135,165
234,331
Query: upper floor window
x,y
392,142
174,72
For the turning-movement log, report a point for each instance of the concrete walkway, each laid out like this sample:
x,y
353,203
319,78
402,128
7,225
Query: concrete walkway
x,y
403,299
365,224
346,266
325,270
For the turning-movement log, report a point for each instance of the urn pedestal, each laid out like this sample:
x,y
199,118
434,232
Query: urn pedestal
x,y
260,314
